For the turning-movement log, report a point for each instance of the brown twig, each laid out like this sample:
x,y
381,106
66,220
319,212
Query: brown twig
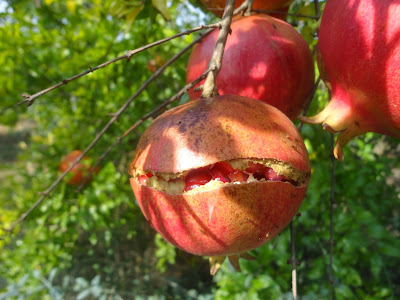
x,y
332,202
29,99
158,109
291,226
47,192
209,87
317,10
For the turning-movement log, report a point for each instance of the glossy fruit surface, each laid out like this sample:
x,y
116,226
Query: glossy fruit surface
x,y
80,171
192,170
360,49
217,6
264,59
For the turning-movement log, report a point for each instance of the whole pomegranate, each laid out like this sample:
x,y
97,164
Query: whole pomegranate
x,y
264,59
217,6
220,176
79,172
360,49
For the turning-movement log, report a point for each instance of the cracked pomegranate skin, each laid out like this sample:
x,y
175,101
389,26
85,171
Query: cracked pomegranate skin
x,y
360,49
217,6
264,59
233,218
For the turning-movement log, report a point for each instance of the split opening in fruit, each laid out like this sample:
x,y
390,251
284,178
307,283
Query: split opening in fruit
x,y
222,173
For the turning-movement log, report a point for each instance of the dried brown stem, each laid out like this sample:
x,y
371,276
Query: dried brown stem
x,y
292,240
317,9
115,117
332,202
29,99
209,87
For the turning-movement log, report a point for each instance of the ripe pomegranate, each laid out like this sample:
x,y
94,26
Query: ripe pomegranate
x,y
264,59
80,171
220,176
360,49
217,6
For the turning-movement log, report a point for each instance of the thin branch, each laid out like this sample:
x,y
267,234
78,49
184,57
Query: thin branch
x,y
29,99
155,111
332,202
115,117
292,239
317,10
209,87
244,8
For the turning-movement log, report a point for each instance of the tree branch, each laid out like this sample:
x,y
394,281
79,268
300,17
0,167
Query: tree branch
x,y
29,99
332,202
115,117
209,87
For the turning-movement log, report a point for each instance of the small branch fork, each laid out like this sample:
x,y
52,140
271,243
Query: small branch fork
x,y
30,99
115,117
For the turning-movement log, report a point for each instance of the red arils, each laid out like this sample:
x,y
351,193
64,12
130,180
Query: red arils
x,y
197,178
195,143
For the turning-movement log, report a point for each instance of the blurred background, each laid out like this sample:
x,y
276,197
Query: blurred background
x,y
95,243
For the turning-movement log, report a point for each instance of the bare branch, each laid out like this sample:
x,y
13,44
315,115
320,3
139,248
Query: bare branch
x,y
29,99
245,8
332,202
317,10
292,241
209,87
115,117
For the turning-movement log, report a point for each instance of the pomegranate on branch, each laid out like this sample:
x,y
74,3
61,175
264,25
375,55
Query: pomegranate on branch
x,y
80,172
359,43
217,6
264,59
220,176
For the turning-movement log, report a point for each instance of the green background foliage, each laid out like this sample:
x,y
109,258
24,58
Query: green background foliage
x,y
95,244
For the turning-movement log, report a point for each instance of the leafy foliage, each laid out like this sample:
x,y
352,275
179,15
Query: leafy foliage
x,y
95,243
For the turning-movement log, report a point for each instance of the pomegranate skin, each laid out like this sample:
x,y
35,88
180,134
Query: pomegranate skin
x,y
264,59
229,219
360,50
217,6
225,221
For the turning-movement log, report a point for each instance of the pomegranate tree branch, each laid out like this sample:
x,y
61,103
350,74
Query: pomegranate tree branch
x,y
209,88
317,10
29,99
332,202
115,117
245,7
158,109
291,226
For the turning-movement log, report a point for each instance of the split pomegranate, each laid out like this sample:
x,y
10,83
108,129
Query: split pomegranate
x,y
217,6
80,171
220,176
264,59
360,50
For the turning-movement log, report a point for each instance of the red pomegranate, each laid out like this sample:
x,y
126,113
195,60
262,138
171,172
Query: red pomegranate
x,y
80,171
220,176
217,6
264,59
359,43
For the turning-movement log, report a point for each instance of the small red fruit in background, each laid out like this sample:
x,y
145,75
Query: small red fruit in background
x,y
220,176
217,6
359,46
80,171
264,59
